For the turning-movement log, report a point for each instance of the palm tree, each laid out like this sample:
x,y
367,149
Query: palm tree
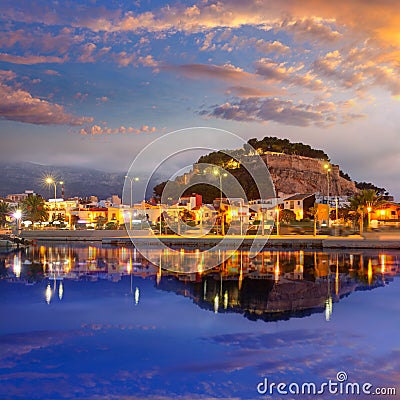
x,y
364,203
34,209
100,222
5,211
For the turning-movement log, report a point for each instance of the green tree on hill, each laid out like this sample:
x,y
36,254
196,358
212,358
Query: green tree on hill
x,y
277,145
371,186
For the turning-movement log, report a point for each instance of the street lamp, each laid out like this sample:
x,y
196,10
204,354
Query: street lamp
x,y
328,170
217,172
129,214
277,220
17,215
62,189
369,209
160,207
131,180
50,181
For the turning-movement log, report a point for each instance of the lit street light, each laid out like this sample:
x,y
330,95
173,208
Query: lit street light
x,y
51,181
328,170
17,215
131,180
218,173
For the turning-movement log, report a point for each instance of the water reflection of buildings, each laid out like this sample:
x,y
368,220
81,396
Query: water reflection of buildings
x,y
271,286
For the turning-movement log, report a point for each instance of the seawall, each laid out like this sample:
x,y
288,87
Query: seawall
x,y
369,241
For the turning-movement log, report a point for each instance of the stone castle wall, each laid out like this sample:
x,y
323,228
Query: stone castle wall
x,y
298,174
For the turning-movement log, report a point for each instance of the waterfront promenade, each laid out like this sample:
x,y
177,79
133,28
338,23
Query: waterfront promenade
x,y
376,240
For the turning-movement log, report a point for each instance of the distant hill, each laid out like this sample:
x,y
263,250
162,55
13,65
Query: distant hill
x,y
18,177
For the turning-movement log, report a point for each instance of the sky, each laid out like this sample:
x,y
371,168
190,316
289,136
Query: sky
x,y
90,83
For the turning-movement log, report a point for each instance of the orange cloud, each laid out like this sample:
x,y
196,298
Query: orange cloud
x,y
307,18
248,91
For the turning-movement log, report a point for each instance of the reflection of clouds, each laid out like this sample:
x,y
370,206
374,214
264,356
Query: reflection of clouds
x,y
122,327
183,349
297,355
305,354
265,340
19,344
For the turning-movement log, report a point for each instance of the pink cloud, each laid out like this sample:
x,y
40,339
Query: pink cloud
x,y
125,59
30,60
51,72
81,96
87,51
20,105
94,130
7,75
224,72
102,99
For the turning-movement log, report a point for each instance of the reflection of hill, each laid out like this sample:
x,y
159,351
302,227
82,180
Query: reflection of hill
x,y
275,285
261,299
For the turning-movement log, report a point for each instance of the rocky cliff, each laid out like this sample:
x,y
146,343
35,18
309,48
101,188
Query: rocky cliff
x,y
298,174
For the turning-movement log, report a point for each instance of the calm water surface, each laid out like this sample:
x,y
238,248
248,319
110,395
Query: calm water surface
x,y
93,322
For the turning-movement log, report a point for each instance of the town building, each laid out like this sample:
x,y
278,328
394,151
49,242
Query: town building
x,y
190,202
19,197
300,204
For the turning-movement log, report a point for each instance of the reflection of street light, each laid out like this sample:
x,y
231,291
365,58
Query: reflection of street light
x,y
60,291
131,180
137,296
48,293
216,304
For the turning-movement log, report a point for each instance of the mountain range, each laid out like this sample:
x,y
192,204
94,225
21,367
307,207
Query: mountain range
x,y
82,182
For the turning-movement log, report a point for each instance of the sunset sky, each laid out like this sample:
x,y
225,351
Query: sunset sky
x,y
91,82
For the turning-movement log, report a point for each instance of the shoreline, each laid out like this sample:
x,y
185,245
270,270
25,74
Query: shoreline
x,y
121,238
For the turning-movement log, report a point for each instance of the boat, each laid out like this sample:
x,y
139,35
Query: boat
x,y
7,244
11,241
